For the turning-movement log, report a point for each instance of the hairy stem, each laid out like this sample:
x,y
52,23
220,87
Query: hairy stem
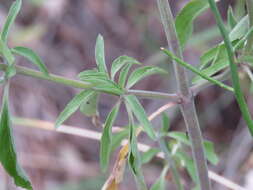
x,y
187,107
233,67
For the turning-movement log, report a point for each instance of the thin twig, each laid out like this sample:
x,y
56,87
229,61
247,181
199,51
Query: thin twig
x,y
93,135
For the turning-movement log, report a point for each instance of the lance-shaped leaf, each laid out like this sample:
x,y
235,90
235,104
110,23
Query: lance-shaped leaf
x,y
106,139
139,112
100,54
160,184
231,18
185,18
134,159
165,123
73,106
13,12
123,75
142,72
6,53
89,74
8,156
31,56
147,156
119,62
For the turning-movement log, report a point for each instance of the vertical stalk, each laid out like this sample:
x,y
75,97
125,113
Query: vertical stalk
x,y
233,67
187,107
248,47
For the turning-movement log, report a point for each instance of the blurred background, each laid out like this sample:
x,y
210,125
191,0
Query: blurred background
x,y
64,32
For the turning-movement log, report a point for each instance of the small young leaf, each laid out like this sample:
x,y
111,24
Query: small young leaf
x,y
210,153
106,139
231,18
180,136
13,12
142,72
73,105
165,123
100,54
185,18
147,156
8,156
31,56
89,106
119,62
123,75
140,114
160,184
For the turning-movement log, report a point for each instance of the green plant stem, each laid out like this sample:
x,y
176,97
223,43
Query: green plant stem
x,y
187,107
196,71
233,67
85,85
248,47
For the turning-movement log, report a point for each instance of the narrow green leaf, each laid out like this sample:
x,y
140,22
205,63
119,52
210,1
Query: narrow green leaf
x,y
165,123
31,56
231,18
142,72
73,105
88,74
134,159
106,139
160,184
8,156
117,138
185,18
210,153
100,54
246,58
6,52
89,105
147,156
13,12
240,29
119,62
123,75
140,114
180,136
196,71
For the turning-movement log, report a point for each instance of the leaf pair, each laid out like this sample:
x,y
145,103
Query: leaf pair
x,y
8,157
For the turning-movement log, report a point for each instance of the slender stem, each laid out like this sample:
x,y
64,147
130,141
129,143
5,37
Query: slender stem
x,y
187,107
233,67
248,47
85,85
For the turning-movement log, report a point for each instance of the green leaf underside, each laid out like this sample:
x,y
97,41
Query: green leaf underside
x,y
185,18
73,106
106,139
160,184
13,12
147,156
140,114
31,56
100,54
89,105
8,156
120,62
208,146
143,72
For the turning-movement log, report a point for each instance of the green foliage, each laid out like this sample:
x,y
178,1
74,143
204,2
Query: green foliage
x,y
185,18
8,156
32,56
13,12
73,106
106,139
89,106
100,54
120,62
142,72
147,156
140,114
231,18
